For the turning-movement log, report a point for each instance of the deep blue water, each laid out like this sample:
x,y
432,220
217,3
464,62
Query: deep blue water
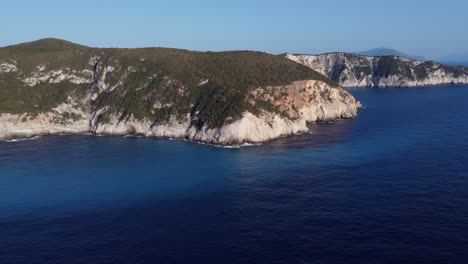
x,y
390,186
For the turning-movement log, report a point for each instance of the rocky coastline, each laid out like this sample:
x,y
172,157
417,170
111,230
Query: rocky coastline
x,y
351,70
303,102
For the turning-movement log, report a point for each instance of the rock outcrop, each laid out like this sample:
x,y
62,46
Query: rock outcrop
x,y
350,70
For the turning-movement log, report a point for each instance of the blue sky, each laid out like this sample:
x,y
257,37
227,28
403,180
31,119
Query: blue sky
x,y
428,28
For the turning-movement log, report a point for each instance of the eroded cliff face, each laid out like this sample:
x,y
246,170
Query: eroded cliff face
x,y
296,105
350,70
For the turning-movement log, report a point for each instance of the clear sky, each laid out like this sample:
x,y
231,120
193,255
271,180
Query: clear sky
x,y
428,28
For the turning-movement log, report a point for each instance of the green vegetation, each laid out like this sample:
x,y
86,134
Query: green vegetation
x,y
17,98
142,78
66,117
389,65
421,71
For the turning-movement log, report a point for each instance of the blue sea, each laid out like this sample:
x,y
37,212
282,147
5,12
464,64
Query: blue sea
x,y
390,186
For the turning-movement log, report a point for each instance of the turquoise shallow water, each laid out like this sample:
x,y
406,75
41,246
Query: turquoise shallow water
x,y
389,186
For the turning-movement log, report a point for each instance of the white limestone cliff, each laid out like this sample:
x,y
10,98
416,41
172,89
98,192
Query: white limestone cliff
x,y
299,103
350,70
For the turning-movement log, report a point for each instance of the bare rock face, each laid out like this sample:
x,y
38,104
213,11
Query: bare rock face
x,y
8,67
296,104
64,119
350,70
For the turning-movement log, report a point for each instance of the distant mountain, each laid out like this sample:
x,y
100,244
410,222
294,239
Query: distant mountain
x,y
389,52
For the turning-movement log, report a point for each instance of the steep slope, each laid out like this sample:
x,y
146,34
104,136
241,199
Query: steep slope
x,y
352,70
52,86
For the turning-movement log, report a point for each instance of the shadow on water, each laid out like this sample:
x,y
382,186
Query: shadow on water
x,y
319,135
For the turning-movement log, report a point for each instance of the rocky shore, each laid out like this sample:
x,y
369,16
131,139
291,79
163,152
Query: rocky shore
x,y
300,103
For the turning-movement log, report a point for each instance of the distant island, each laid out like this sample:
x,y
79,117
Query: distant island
x,y
378,52
354,70
52,86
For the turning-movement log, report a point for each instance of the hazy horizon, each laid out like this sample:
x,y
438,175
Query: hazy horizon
x,y
424,28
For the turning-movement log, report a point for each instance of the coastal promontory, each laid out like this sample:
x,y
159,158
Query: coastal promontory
x,y
52,86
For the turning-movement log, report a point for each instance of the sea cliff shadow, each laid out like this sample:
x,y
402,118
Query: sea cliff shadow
x,y
319,135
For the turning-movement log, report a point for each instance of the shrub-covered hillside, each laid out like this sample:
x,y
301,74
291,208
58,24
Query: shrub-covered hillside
x,y
151,83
